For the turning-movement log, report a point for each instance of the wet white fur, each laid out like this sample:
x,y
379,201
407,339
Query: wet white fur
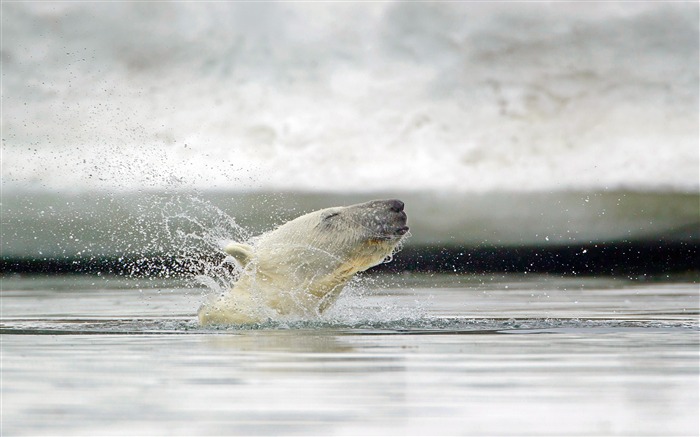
x,y
300,268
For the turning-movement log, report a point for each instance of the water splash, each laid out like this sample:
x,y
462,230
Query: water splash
x,y
353,307
192,232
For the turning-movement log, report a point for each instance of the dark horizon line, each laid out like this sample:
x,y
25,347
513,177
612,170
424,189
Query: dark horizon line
x,y
621,258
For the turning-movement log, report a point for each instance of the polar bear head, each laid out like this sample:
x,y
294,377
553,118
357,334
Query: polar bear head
x,y
301,266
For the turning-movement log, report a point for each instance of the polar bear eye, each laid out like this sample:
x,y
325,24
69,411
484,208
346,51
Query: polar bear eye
x,y
333,214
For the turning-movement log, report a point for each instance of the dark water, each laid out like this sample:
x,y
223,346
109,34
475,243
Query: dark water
x,y
398,355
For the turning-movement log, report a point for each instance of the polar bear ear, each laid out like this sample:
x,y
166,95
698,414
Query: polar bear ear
x,y
241,252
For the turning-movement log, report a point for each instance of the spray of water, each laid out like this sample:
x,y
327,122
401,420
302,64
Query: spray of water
x,y
191,232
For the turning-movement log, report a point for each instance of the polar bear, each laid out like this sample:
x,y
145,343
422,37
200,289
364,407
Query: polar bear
x,y
300,268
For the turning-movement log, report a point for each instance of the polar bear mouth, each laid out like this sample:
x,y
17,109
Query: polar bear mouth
x,y
391,231
400,218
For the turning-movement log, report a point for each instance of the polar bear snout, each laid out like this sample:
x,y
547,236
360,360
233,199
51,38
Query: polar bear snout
x,y
401,221
386,218
396,223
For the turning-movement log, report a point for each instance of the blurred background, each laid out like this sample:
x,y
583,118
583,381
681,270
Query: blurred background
x,y
548,136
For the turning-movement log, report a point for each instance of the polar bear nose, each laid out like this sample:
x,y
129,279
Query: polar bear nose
x,y
395,205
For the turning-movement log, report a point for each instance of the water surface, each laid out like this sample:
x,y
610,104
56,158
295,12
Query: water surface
x,y
398,355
